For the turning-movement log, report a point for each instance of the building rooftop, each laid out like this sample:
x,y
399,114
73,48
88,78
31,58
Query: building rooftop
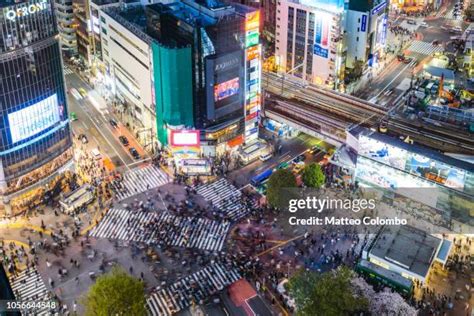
x,y
407,247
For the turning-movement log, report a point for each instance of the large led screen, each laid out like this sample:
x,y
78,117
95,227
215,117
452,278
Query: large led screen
x,y
226,89
34,118
185,138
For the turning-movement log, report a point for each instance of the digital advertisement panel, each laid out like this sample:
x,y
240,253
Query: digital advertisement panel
x,y
391,155
226,89
321,39
34,118
185,138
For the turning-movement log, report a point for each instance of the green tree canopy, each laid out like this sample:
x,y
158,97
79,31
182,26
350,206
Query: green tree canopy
x,y
313,176
116,293
279,180
327,294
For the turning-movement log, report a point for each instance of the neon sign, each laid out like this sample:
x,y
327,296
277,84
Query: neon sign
x,y
26,10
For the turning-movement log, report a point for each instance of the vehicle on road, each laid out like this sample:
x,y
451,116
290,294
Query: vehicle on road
x,y
73,116
423,24
260,178
412,22
314,150
96,153
84,139
265,157
298,167
113,123
283,165
134,153
407,60
435,43
400,57
299,158
75,94
123,140
83,92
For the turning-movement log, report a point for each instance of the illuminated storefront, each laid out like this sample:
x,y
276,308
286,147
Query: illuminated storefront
x,y
35,136
433,179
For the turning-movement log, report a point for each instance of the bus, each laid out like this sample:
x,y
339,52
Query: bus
x,y
260,178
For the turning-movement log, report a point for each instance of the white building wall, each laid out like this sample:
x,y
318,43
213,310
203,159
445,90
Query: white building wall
x,y
128,60
322,68
357,27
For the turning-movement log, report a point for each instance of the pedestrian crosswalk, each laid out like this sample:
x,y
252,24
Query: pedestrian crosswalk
x,y
28,286
193,289
449,15
226,198
163,228
424,48
68,71
139,180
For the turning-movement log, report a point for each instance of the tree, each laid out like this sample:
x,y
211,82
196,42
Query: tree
x,y
313,176
385,302
280,180
116,293
327,294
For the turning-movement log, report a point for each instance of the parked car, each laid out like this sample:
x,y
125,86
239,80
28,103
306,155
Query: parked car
x,y
265,157
134,153
113,123
123,140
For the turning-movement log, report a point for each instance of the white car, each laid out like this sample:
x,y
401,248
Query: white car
x,y
423,24
265,157
96,153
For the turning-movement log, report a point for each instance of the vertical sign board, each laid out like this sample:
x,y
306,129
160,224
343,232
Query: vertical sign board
x,y
252,75
321,36
363,23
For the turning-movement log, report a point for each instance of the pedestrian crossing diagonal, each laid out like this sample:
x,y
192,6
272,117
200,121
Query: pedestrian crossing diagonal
x,y
138,181
28,286
226,198
67,71
164,228
194,288
424,48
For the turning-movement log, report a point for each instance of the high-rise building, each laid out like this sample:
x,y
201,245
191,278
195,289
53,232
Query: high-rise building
x,y
203,61
310,40
35,136
66,26
83,29
366,32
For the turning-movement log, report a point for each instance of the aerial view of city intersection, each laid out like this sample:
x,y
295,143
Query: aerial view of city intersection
x,y
224,157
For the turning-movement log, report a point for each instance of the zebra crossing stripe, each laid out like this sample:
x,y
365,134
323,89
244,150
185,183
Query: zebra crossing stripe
x,y
178,296
424,48
29,286
139,180
173,230
225,197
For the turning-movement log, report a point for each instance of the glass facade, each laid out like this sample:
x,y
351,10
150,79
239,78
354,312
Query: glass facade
x,y
35,137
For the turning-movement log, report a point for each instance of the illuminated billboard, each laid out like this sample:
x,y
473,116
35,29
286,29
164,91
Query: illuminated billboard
x,y
226,89
34,118
185,138
383,152
436,171
321,35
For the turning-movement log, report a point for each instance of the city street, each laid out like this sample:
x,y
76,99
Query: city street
x,y
95,124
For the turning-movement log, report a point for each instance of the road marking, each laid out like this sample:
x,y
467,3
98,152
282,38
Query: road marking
x,y
395,78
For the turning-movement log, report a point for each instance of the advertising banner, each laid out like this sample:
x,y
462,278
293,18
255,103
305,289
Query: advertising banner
x,y
321,40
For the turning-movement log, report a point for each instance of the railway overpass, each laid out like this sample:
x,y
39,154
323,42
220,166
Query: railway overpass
x,y
329,115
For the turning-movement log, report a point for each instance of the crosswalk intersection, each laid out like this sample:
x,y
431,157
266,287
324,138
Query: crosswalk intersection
x,y
67,71
193,288
139,180
162,227
424,48
28,286
226,198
